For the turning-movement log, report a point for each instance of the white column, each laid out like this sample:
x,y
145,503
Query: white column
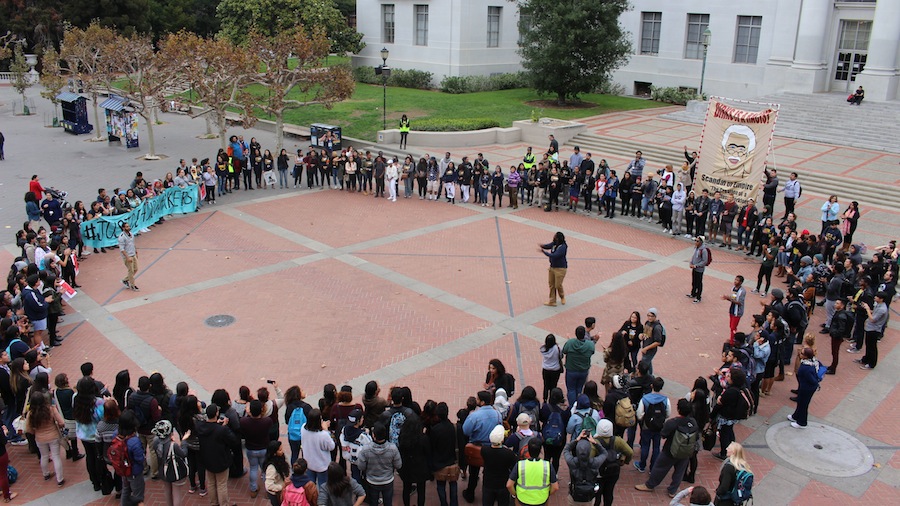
x,y
880,78
809,69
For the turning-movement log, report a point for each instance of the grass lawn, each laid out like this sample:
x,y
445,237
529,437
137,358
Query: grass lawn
x,y
361,115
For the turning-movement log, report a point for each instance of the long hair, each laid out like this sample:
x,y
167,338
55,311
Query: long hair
x,y
189,409
314,420
338,483
16,371
83,405
277,461
410,434
549,342
122,385
498,365
617,348
39,410
737,458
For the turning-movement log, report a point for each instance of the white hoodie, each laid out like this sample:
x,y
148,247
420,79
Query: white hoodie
x,y
678,198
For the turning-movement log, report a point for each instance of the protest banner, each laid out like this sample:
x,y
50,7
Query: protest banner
x,y
733,150
104,232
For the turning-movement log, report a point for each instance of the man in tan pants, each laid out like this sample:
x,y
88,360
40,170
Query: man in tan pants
x,y
129,255
556,252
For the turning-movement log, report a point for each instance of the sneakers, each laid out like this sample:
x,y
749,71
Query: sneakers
x,y
640,469
135,288
791,418
126,284
857,361
696,301
866,367
797,425
755,290
203,492
853,349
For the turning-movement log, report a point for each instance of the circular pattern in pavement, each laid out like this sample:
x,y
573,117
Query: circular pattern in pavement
x,y
820,449
220,320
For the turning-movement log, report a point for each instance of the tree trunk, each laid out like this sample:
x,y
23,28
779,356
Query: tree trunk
x,y
156,114
97,116
279,130
150,141
560,99
208,119
222,125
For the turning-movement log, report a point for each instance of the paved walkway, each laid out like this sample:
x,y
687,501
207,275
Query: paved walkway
x,y
431,291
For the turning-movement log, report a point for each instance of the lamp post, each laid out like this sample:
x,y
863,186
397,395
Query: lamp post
x,y
707,35
385,73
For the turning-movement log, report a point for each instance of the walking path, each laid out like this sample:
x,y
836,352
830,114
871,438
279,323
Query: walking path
x,y
327,286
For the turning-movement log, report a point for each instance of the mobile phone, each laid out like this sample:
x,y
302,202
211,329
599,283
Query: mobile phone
x,y
271,382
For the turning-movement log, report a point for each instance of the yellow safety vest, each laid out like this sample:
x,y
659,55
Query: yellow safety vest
x,y
230,165
533,482
404,125
528,161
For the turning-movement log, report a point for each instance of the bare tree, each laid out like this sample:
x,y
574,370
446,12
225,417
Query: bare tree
x,y
293,62
217,72
82,50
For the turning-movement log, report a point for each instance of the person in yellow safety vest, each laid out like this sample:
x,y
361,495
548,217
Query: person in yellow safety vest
x,y
528,161
404,131
533,480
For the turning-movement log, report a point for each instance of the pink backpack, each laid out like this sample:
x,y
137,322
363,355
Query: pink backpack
x,y
294,496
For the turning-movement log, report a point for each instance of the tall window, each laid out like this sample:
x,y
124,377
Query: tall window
x,y
387,23
421,25
746,43
693,46
493,26
651,23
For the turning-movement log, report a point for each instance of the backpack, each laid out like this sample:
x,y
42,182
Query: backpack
x,y
174,468
296,423
535,414
117,456
662,339
612,457
748,363
398,418
588,423
798,315
742,490
293,496
748,400
684,441
655,416
523,452
625,416
141,409
554,432
584,487
350,449
708,256
11,474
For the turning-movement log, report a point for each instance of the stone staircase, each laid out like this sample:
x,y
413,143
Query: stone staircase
x,y
658,156
827,118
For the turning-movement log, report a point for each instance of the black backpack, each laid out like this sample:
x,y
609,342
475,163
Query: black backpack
x,y
655,416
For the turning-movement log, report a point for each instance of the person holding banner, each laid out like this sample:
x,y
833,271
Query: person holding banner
x,y
129,255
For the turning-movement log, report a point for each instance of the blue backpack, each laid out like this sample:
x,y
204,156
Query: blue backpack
x,y
296,423
554,431
742,490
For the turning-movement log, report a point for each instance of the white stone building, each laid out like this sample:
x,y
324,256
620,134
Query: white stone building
x,y
755,48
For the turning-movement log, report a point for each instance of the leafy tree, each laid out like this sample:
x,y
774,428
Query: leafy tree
x,y
83,52
40,22
172,16
572,47
146,75
271,17
292,61
125,16
21,80
217,71
52,77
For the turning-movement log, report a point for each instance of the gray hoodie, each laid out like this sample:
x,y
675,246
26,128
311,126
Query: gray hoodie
x,y
678,198
378,461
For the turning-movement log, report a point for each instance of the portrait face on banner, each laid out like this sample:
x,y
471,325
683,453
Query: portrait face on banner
x,y
738,148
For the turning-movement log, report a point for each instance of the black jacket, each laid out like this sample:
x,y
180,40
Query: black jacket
x,y
443,444
216,441
841,324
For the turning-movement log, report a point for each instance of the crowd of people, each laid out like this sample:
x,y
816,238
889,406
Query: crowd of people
x,y
344,451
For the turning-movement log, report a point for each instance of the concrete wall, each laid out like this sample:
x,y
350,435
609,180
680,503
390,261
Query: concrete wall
x,y
521,131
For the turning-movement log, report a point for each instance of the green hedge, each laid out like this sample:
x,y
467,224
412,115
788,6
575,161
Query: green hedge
x,y
472,84
673,95
455,125
416,79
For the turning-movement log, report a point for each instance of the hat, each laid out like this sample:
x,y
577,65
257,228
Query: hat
x,y
497,435
700,238
121,192
804,232
523,419
819,257
354,415
653,310
604,428
777,293
806,260
500,394
583,401
618,381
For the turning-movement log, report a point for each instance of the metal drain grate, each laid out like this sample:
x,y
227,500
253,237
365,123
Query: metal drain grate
x,y
220,320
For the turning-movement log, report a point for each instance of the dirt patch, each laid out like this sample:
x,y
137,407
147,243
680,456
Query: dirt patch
x,y
551,104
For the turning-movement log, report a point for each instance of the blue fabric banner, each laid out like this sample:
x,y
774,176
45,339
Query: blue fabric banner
x,y
104,232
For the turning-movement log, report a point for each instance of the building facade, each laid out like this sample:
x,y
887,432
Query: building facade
x,y
754,49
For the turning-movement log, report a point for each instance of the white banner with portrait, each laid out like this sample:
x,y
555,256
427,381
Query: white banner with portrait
x,y
733,149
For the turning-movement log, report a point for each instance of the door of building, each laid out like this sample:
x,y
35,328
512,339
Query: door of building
x,y
853,46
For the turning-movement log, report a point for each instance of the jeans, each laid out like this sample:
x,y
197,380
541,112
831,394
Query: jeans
x,y
648,438
408,187
442,493
223,182
385,492
255,459
133,490
295,449
319,477
802,412
658,473
282,178
575,381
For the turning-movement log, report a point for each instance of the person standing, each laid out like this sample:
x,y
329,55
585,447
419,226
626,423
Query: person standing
x,y
532,481
255,430
699,260
45,422
404,131
583,469
391,173
830,210
551,365
499,461
216,441
792,191
807,384
681,434
478,428
132,486
129,256
2,142
736,309
577,353
556,252
874,328
735,463
378,463
653,337
168,440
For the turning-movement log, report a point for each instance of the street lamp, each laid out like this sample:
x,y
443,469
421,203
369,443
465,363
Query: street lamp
x,y
385,72
707,35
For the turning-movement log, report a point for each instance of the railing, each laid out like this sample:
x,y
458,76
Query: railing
x,y
7,77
